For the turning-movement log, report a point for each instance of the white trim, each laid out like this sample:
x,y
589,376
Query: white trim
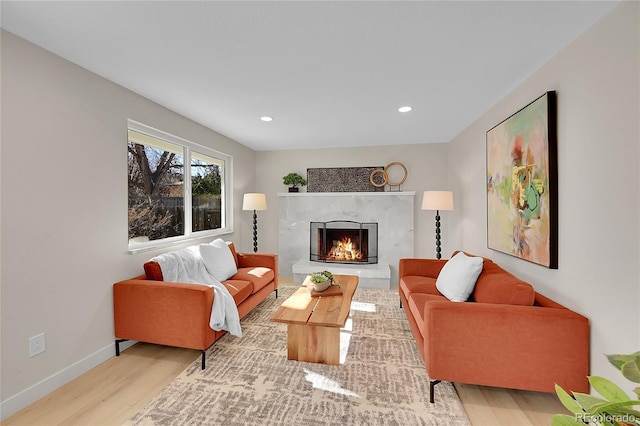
x,y
175,241
22,399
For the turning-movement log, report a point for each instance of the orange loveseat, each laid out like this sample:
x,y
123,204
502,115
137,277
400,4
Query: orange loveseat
x,y
148,309
506,334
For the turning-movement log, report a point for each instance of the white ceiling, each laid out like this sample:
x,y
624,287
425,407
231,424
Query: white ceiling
x,y
331,73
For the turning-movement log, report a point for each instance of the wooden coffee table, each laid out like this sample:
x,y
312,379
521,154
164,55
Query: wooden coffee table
x,y
313,323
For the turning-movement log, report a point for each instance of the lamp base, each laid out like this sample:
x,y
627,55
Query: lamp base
x,y
438,251
255,232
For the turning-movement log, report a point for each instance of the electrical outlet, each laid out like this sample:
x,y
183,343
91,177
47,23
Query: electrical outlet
x,y
36,345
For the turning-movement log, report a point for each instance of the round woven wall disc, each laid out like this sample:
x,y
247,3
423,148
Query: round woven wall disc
x,y
401,181
372,179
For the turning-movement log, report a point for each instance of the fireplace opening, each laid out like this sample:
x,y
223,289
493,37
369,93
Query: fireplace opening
x,y
344,241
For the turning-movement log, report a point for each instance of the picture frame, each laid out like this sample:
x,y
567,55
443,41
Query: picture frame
x,y
522,183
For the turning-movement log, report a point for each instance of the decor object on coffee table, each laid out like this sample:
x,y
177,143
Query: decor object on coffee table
x,y
293,180
522,184
254,201
437,200
322,280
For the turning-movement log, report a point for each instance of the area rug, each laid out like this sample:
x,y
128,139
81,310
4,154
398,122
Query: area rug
x,y
249,381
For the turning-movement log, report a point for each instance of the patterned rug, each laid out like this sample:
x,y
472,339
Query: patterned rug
x,y
249,381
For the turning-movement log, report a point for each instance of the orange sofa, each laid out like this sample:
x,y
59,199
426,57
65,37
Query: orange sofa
x,y
147,309
506,335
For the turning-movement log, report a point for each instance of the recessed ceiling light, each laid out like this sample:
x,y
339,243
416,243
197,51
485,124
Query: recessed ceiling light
x,y
266,118
405,109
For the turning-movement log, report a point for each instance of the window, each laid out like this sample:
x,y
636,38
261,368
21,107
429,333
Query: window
x,y
177,189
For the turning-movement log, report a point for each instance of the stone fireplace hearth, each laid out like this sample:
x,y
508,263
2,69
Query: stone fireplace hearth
x,y
392,212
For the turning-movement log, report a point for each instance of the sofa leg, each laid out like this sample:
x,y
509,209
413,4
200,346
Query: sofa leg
x,y
276,290
432,385
118,341
204,357
400,303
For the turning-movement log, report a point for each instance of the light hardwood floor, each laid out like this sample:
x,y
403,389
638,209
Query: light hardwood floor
x,y
114,391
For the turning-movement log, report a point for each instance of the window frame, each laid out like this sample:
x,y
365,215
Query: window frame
x,y
226,189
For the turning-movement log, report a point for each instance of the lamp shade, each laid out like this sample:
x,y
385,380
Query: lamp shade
x,y
254,201
437,200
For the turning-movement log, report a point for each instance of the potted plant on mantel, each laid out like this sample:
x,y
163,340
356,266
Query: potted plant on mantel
x,y
293,180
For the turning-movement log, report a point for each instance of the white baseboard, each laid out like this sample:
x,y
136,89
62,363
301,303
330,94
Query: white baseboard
x,y
17,402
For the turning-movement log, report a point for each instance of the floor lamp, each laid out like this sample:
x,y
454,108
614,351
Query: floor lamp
x,y
255,202
437,200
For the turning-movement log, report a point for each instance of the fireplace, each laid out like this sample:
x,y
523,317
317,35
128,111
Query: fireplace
x,y
344,241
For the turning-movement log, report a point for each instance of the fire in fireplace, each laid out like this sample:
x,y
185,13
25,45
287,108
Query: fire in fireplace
x,y
344,241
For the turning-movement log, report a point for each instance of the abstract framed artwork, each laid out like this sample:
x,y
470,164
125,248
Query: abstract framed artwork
x,y
522,184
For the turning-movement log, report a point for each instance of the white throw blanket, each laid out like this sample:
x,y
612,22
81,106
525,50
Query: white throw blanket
x,y
186,266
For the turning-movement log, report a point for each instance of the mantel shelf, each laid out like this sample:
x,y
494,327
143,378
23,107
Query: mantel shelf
x,y
346,194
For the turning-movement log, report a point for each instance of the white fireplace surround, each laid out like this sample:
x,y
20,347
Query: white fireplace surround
x,y
393,211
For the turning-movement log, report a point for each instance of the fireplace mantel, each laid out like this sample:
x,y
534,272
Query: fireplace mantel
x,y
346,194
393,211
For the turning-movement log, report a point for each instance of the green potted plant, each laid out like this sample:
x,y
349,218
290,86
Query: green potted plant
x,y
322,280
615,408
293,180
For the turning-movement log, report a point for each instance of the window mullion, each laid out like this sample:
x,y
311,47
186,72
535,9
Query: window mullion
x,y
188,220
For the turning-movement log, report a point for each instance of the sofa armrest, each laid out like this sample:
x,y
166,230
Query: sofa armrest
x,y
523,347
267,260
420,267
175,314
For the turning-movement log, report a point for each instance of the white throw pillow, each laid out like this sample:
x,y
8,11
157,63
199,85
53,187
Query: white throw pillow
x,y
457,278
218,260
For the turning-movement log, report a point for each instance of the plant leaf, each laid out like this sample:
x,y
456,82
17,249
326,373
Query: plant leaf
x,y
568,401
619,359
626,410
631,370
608,389
613,406
589,403
565,420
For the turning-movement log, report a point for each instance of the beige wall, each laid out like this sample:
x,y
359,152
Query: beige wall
x,y
426,165
597,84
64,220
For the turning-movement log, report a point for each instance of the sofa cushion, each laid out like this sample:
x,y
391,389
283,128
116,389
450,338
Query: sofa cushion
x,y
239,289
416,306
218,259
458,277
256,275
153,271
417,284
495,285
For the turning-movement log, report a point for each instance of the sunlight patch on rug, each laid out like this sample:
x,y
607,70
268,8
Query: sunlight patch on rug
x,y
318,381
